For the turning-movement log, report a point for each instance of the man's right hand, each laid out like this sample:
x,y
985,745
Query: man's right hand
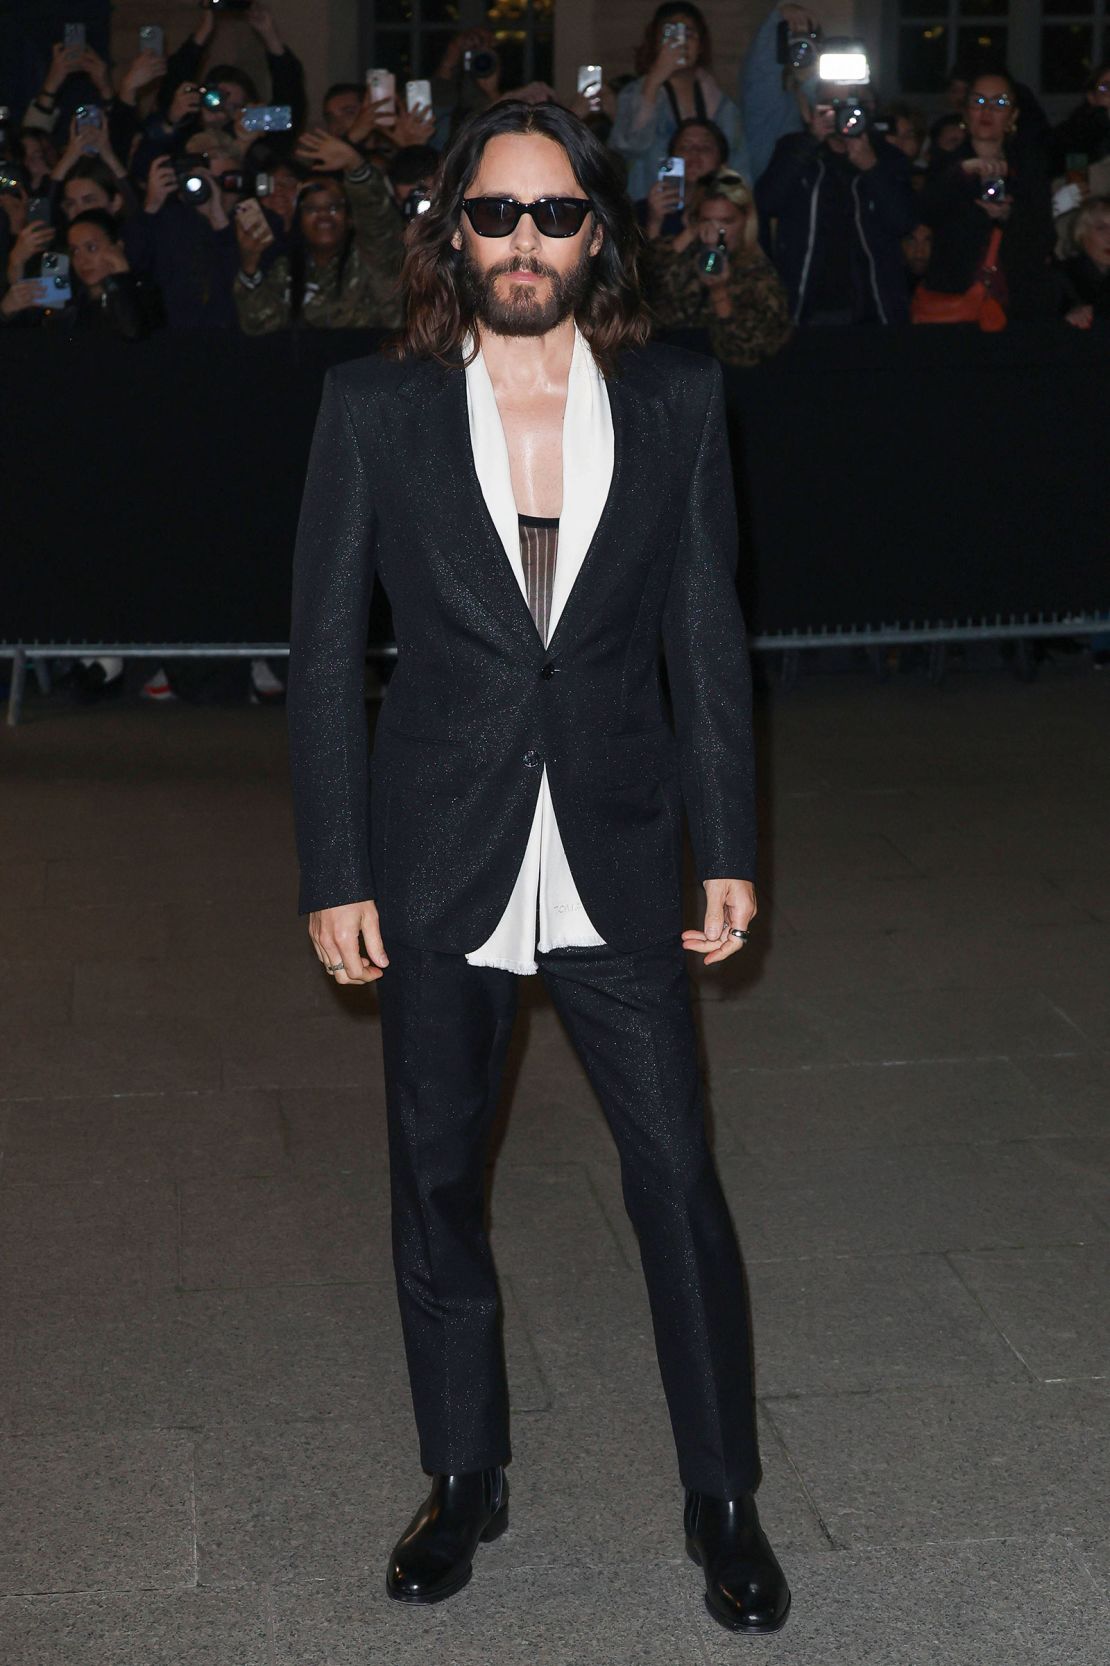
x,y
335,937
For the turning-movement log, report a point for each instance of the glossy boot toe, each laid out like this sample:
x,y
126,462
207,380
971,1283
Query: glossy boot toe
x,y
745,1589
433,1558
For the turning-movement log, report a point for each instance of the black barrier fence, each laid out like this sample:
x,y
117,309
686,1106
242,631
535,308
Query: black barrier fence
x,y
888,482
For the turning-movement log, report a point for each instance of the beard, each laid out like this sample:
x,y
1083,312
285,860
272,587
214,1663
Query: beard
x,y
523,312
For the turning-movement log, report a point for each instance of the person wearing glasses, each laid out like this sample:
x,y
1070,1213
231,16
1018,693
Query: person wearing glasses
x,y
997,179
548,500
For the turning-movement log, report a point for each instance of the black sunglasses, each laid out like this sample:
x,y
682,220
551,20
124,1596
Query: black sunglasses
x,y
552,216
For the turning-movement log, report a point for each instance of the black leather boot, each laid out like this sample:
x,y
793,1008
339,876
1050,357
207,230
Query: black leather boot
x,y
432,1559
745,1589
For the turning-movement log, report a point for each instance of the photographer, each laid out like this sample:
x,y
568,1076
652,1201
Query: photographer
x,y
673,85
741,305
183,238
703,149
286,71
996,182
89,142
413,168
345,252
775,97
842,206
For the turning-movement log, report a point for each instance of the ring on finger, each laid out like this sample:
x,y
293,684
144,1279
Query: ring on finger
x,y
338,967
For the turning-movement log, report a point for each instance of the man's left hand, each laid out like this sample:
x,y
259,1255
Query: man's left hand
x,y
728,903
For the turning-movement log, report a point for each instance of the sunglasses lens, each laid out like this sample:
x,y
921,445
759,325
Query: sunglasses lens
x,y
492,216
560,218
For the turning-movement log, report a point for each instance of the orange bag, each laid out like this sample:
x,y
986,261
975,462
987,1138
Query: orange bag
x,y
976,305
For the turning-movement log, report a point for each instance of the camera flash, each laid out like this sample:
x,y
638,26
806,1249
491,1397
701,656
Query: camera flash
x,y
844,64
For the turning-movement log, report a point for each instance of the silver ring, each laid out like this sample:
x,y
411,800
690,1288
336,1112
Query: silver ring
x,y
338,967
735,931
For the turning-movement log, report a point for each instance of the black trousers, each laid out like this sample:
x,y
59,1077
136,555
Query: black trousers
x,y
445,1032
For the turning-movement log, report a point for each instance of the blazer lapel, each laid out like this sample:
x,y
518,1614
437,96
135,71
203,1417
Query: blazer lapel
x,y
488,562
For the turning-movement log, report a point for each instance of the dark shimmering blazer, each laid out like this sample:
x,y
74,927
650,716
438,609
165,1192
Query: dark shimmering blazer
x,y
433,827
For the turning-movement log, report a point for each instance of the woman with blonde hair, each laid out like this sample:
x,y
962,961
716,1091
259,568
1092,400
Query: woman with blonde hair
x,y
714,275
673,83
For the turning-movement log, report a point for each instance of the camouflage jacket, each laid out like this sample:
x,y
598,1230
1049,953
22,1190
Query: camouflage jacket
x,y
369,297
759,323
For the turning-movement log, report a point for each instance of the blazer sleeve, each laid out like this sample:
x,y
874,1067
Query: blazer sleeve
x,y
333,575
706,649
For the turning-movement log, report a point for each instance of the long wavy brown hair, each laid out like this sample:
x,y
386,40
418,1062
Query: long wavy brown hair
x,y
614,314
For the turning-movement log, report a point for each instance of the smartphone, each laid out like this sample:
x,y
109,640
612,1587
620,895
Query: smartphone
x,y
38,212
250,214
228,5
417,92
675,32
152,38
88,115
675,168
74,38
263,185
589,82
382,83
267,118
53,289
212,98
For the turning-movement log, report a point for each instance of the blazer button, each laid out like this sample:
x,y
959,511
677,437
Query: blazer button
x,y
532,760
548,669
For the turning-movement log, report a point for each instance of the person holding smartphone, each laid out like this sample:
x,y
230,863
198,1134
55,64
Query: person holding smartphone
x,y
741,304
345,250
674,84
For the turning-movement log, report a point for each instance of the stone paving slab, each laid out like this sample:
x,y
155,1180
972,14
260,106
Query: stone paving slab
x,y
87,1512
982,1456
137,1628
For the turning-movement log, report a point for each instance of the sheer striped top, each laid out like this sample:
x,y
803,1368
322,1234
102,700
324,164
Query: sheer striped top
x,y
539,544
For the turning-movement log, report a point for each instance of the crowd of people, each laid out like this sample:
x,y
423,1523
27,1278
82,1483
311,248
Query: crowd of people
x,y
149,198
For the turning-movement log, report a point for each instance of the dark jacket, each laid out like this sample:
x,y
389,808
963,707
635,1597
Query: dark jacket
x,y
962,231
192,264
434,827
833,215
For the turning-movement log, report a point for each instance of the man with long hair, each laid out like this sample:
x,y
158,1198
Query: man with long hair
x,y
549,501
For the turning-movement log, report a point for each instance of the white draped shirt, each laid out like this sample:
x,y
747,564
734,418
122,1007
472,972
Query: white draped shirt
x,y
544,909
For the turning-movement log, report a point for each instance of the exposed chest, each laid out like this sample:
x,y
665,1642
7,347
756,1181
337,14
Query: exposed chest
x,y
534,439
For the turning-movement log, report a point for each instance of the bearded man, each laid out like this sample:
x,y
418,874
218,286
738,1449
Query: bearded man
x,y
548,501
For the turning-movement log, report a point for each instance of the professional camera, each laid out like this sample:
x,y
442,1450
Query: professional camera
x,y
191,182
418,201
479,64
797,49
